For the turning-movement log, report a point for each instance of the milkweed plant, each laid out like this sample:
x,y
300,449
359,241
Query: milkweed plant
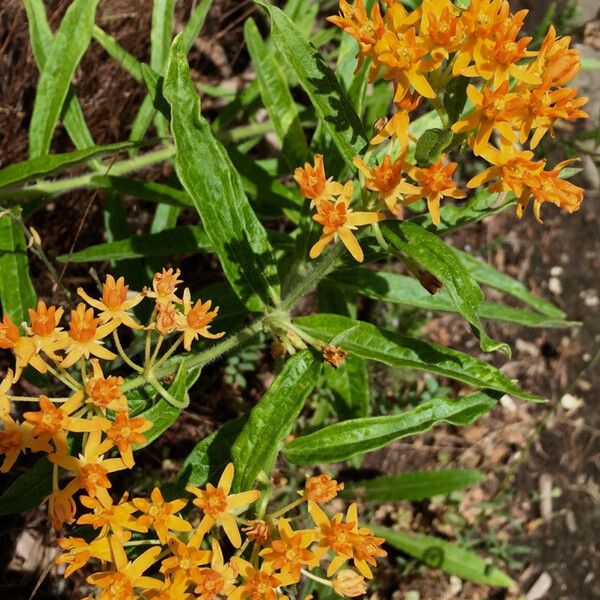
x,y
372,171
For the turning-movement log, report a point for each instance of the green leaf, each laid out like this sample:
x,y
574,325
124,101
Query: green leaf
x,y
29,490
41,39
343,440
206,172
446,556
455,97
320,83
207,460
414,485
71,41
370,342
272,419
161,33
54,163
163,414
195,23
486,274
187,239
349,384
276,97
431,145
433,255
129,62
16,289
400,289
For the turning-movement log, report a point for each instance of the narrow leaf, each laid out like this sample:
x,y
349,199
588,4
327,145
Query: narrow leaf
x,y
272,419
320,83
29,490
414,485
433,255
195,23
71,41
343,440
370,342
207,174
446,556
129,62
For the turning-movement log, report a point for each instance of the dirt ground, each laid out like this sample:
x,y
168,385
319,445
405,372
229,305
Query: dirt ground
x,y
542,463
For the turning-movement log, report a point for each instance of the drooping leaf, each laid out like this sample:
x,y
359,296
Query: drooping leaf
x,y
345,439
17,293
400,289
70,42
433,255
272,419
440,554
54,163
413,485
207,174
370,342
277,97
320,83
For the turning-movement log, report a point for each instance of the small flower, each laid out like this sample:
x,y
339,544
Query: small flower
x,y
313,183
435,182
77,552
105,392
349,583
124,433
61,508
24,348
16,438
46,334
114,306
334,356
85,335
398,126
195,320
258,531
556,64
164,286
321,489
185,559
166,318
258,584
219,579
107,516
160,515
5,404
441,29
338,220
219,506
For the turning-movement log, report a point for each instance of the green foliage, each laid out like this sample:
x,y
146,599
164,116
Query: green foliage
x,y
431,145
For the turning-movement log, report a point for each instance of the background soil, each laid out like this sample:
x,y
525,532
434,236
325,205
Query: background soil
x,y
524,450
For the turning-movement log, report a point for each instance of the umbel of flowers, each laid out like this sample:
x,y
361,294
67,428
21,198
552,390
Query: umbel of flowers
x,y
515,96
200,555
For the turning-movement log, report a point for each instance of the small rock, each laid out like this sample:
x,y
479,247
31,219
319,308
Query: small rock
x,y
555,286
545,487
540,587
571,403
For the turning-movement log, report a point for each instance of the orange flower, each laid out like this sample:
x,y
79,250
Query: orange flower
x,y
105,392
338,220
321,489
114,306
124,433
5,404
77,552
218,580
160,515
85,335
61,508
15,438
195,320
219,506
387,181
398,126
556,64
349,583
44,329
164,286
166,318
314,185
258,584
494,109
173,589
186,559
441,29
121,583
24,348
289,553
355,21
108,516
402,56
435,182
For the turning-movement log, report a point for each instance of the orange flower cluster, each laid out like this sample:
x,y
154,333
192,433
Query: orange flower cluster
x,y
522,96
186,561
96,408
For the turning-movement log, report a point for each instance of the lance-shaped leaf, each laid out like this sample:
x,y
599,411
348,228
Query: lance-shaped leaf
x,y
54,163
413,485
433,255
272,419
320,83
343,440
372,343
70,42
400,289
207,174
440,554
29,490
276,97
16,289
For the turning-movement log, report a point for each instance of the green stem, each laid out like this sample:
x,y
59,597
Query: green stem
x,y
123,354
62,379
168,353
315,578
153,381
35,399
